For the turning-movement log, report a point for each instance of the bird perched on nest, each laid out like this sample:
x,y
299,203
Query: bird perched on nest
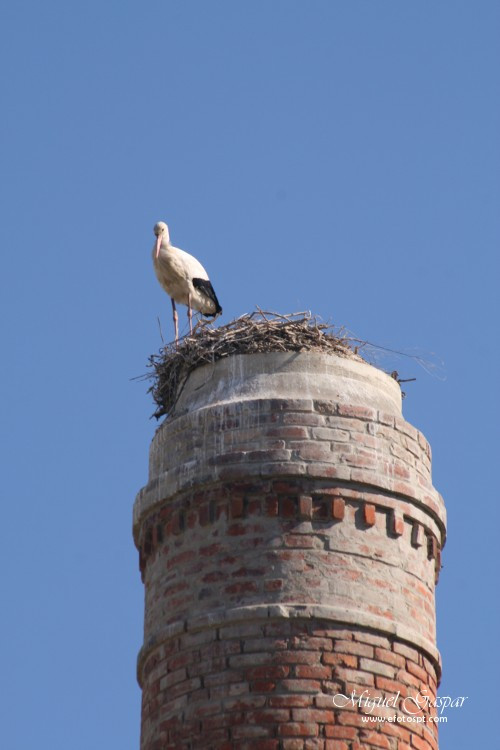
x,y
183,278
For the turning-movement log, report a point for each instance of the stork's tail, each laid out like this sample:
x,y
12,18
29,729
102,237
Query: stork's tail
x,y
206,288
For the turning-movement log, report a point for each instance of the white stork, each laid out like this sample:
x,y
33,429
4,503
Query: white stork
x,y
183,278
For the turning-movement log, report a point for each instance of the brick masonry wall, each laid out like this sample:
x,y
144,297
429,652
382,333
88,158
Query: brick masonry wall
x,y
274,684
289,550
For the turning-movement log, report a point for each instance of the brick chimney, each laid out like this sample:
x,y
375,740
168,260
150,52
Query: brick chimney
x,y
290,540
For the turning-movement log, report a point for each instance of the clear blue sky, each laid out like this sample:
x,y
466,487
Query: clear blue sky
x,y
339,156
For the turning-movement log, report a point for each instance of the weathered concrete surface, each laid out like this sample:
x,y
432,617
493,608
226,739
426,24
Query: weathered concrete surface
x,y
290,375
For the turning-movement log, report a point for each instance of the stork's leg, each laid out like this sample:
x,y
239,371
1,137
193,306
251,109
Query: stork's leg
x,y
176,320
190,314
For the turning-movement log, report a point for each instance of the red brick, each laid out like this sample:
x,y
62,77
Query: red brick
x,y
429,666
403,488
336,745
293,744
360,412
237,529
182,660
417,671
351,647
369,514
214,576
268,455
204,668
351,718
237,507
316,452
397,524
246,730
293,433
417,535
359,460
271,672
214,738
244,702
311,642
241,587
250,660
377,739
300,541
410,653
313,714
318,672
301,657
273,584
288,507
261,686
314,743
374,640
419,743
338,508
337,633
220,684
354,679
183,557
223,720
272,506
305,420
326,470
389,657
391,686
265,644
305,507
181,688
211,549
295,729
302,686
324,701
341,733
266,716
395,730
248,572
172,678
431,736
371,665
292,701
400,470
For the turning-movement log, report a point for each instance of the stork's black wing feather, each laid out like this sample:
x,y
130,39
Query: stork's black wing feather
x,y
207,289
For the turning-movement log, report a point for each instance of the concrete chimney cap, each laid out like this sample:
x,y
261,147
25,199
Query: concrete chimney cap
x,y
304,375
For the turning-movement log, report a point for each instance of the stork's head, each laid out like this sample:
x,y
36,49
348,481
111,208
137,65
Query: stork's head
x,y
161,232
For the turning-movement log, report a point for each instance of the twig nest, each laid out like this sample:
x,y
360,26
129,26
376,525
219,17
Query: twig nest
x,y
251,333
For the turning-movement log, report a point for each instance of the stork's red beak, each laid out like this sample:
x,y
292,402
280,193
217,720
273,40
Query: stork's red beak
x,y
158,245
